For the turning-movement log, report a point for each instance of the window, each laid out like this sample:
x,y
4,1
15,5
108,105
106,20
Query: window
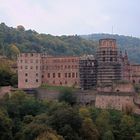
x,y
48,75
69,75
75,83
26,80
31,54
111,59
61,67
65,75
76,75
26,67
133,81
31,67
26,74
59,75
73,74
21,61
36,74
36,67
53,75
60,83
42,76
37,80
103,59
103,52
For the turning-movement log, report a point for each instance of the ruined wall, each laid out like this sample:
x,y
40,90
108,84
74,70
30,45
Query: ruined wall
x,y
109,66
5,90
135,74
60,71
113,100
29,70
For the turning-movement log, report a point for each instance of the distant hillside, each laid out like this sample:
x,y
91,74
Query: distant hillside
x,y
31,41
131,44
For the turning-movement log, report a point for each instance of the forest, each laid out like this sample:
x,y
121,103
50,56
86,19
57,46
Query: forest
x,y
23,117
31,41
128,43
15,40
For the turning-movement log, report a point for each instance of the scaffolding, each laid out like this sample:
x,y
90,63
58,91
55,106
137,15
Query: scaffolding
x,y
109,65
88,72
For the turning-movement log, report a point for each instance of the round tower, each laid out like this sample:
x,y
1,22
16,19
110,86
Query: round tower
x,y
107,50
109,66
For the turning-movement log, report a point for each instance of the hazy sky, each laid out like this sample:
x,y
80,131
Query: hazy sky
x,y
59,17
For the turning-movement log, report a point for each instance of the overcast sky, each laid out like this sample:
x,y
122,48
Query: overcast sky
x,y
69,17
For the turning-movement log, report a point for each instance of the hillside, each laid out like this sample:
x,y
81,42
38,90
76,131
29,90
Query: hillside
x,y
31,41
131,44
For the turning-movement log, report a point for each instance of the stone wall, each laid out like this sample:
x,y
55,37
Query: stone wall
x,y
135,73
5,90
113,100
83,97
29,70
60,71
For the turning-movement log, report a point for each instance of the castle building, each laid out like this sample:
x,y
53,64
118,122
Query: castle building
x,y
29,70
35,69
60,71
88,72
109,65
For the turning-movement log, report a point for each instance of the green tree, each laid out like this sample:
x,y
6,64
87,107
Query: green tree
x,y
66,122
67,96
137,136
102,122
84,112
49,136
108,136
14,51
5,126
7,76
89,130
127,129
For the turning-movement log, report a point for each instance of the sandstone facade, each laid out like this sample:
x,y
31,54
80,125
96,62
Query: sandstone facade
x,y
35,69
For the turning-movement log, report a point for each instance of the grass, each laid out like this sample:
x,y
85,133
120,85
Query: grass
x,y
58,88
